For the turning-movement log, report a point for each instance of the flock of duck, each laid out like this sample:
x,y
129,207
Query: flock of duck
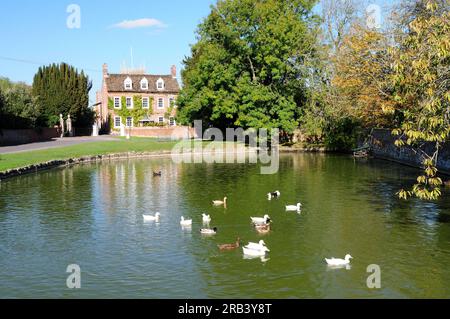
x,y
261,224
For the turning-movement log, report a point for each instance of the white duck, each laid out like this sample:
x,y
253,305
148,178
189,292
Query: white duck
x,y
294,208
261,220
149,218
261,251
206,219
185,222
209,231
259,245
339,262
220,202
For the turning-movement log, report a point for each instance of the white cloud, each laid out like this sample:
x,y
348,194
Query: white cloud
x,y
140,23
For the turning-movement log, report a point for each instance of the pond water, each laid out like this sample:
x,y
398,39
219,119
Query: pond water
x,y
91,215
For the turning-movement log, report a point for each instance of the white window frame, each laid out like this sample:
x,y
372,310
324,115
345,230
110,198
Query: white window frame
x,y
160,81
163,103
120,102
127,82
161,121
144,81
172,121
132,122
132,102
115,121
148,102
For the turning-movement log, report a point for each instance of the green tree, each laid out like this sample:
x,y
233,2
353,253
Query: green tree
x,y
61,89
2,108
19,108
248,67
326,120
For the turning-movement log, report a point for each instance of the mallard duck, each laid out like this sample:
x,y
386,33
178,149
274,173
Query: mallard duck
x,y
230,246
339,262
156,174
149,218
273,195
261,220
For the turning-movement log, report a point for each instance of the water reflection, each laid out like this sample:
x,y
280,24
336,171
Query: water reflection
x,y
335,267
93,215
263,259
187,229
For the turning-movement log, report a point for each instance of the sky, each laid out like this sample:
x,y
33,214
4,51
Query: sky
x,y
157,33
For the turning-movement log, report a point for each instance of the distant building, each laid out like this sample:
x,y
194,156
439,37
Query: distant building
x,y
137,100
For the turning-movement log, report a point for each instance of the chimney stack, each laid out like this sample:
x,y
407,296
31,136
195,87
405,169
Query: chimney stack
x,y
105,70
173,71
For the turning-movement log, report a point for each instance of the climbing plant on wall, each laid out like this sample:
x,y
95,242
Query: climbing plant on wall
x,y
169,112
137,112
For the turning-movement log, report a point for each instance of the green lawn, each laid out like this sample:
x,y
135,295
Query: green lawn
x,y
16,160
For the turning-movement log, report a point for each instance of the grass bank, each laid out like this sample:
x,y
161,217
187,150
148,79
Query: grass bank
x,y
17,160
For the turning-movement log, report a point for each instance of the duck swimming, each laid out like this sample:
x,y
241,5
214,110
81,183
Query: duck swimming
x,y
230,246
339,262
220,202
207,231
185,222
273,195
149,218
263,229
253,249
294,208
261,220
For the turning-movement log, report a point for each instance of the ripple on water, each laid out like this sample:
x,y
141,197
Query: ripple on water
x,y
92,215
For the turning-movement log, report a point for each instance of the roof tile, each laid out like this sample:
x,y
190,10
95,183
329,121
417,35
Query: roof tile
x,y
115,83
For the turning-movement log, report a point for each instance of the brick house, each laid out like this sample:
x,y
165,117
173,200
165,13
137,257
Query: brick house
x,y
137,100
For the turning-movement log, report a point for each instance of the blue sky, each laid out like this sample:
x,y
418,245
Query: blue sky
x,y
36,32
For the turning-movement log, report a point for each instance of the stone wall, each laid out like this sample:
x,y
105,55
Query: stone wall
x,y
17,137
382,146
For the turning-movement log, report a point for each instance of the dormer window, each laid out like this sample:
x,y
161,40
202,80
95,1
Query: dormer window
x,y
144,84
160,84
128,84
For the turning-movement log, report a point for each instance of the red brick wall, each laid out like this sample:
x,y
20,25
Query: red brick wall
x,y
17,137
179,132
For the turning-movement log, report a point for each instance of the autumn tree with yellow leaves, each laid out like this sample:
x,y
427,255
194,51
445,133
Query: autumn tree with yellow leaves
x,y
362,70
421,82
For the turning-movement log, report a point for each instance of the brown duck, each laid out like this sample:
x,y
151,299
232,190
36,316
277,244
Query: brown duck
x,y
263,229
230,246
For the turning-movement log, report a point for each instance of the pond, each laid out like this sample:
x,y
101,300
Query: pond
x,y
91,215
